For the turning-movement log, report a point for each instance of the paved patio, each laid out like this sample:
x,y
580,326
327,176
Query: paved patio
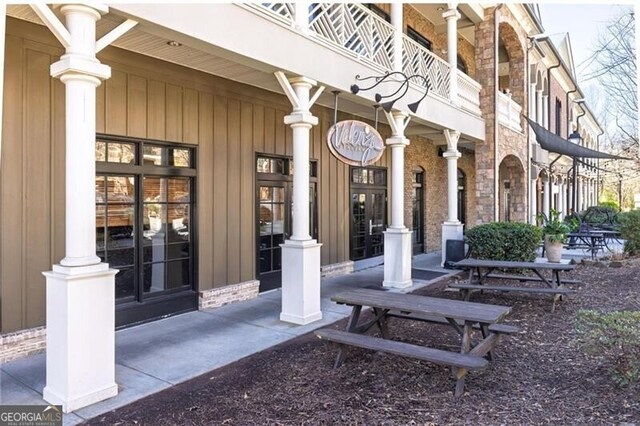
x,y
157,355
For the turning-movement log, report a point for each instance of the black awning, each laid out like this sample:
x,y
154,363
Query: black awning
x,y
554,143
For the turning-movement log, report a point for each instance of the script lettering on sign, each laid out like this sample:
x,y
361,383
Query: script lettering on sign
x,y
355,143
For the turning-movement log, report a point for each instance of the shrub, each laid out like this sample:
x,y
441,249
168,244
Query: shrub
x,y
504,241
601,216
615,338
610,204
630,231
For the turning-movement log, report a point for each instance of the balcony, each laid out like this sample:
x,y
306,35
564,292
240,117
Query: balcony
x,y
509,112
354,30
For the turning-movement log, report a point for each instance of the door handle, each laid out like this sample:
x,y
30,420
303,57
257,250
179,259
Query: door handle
x,y
370,226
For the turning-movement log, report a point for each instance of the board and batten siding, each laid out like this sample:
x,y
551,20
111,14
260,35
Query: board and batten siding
x,y
228,122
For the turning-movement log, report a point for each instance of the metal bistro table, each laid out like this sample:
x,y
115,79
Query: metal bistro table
x,y
462,316
592,241
477,278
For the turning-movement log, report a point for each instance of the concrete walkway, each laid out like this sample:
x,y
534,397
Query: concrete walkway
x,y
154,356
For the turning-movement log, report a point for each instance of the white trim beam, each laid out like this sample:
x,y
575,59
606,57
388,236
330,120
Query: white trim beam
x,y
53,23
115,34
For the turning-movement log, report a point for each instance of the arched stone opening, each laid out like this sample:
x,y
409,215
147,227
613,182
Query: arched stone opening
x,y
511,72
512,190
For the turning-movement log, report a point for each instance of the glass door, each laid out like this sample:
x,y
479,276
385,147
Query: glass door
x,y
144,227
274,202
368,220
274,224
418,213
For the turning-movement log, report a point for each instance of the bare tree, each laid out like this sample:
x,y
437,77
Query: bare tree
x,y
613,64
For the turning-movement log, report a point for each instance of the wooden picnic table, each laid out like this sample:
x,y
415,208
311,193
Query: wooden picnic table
x,y
464,317
591,240
477,278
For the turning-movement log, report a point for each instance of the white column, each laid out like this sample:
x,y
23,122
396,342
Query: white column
x,y
302,15
532,102
81,290
397,238
545,111
451,228
539,107
545,198
397,21
533,197
3,20
561,201
452,16
300,253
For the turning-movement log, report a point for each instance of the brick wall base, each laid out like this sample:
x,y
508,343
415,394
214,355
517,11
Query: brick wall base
x,y
217,297
22,343
336,269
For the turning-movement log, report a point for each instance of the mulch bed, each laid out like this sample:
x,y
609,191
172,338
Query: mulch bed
x,y
539,376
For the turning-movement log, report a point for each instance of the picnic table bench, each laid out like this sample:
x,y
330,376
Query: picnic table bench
x,y
477,279
462,316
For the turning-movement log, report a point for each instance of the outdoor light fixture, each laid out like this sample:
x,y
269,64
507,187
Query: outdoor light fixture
x,y
397,94
575,137
174,43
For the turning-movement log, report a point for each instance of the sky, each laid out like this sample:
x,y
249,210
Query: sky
x,y
583,22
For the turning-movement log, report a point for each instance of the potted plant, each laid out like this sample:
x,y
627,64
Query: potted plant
x,y
555,235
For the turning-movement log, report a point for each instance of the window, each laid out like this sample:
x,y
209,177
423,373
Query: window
x,y
462,66
381,13
145,208
558,116
419,38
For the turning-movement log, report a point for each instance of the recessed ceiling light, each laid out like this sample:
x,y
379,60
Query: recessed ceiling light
x,y
440,8
174,43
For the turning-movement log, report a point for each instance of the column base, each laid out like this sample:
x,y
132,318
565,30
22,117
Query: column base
x,y
450,231
300,282
80,335
397,258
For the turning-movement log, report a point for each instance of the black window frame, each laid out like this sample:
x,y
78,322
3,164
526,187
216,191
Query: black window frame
x,y
419,38
148,306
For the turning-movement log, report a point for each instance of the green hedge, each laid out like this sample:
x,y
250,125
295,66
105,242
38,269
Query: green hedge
x,y
504,241
630,231
613,337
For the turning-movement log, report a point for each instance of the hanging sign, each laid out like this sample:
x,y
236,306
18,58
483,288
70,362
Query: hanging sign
x,y
355,143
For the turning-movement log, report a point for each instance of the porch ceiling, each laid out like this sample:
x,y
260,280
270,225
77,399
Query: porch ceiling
x,y
151,40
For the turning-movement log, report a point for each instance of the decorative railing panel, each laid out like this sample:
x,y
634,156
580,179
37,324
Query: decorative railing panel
x,y
509,112
355,28
281,11
469,93
418,60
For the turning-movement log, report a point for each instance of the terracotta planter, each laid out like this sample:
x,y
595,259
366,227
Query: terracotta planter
x,y
553,250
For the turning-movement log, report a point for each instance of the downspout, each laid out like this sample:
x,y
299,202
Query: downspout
x,y
496,100
598,169
574,165
550,195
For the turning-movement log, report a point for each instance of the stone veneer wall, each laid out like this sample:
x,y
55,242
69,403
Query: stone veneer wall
x,y
22,343
415,20
423,153
221,296
510,142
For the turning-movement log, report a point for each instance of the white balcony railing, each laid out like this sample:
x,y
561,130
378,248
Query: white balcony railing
x,y
509,112
353,27
418,60
355,30
469,93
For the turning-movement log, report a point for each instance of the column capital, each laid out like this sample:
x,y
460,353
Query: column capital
x,y
70,65
300,119
452,137
303,81
397,141
451,154
451,14
95,10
